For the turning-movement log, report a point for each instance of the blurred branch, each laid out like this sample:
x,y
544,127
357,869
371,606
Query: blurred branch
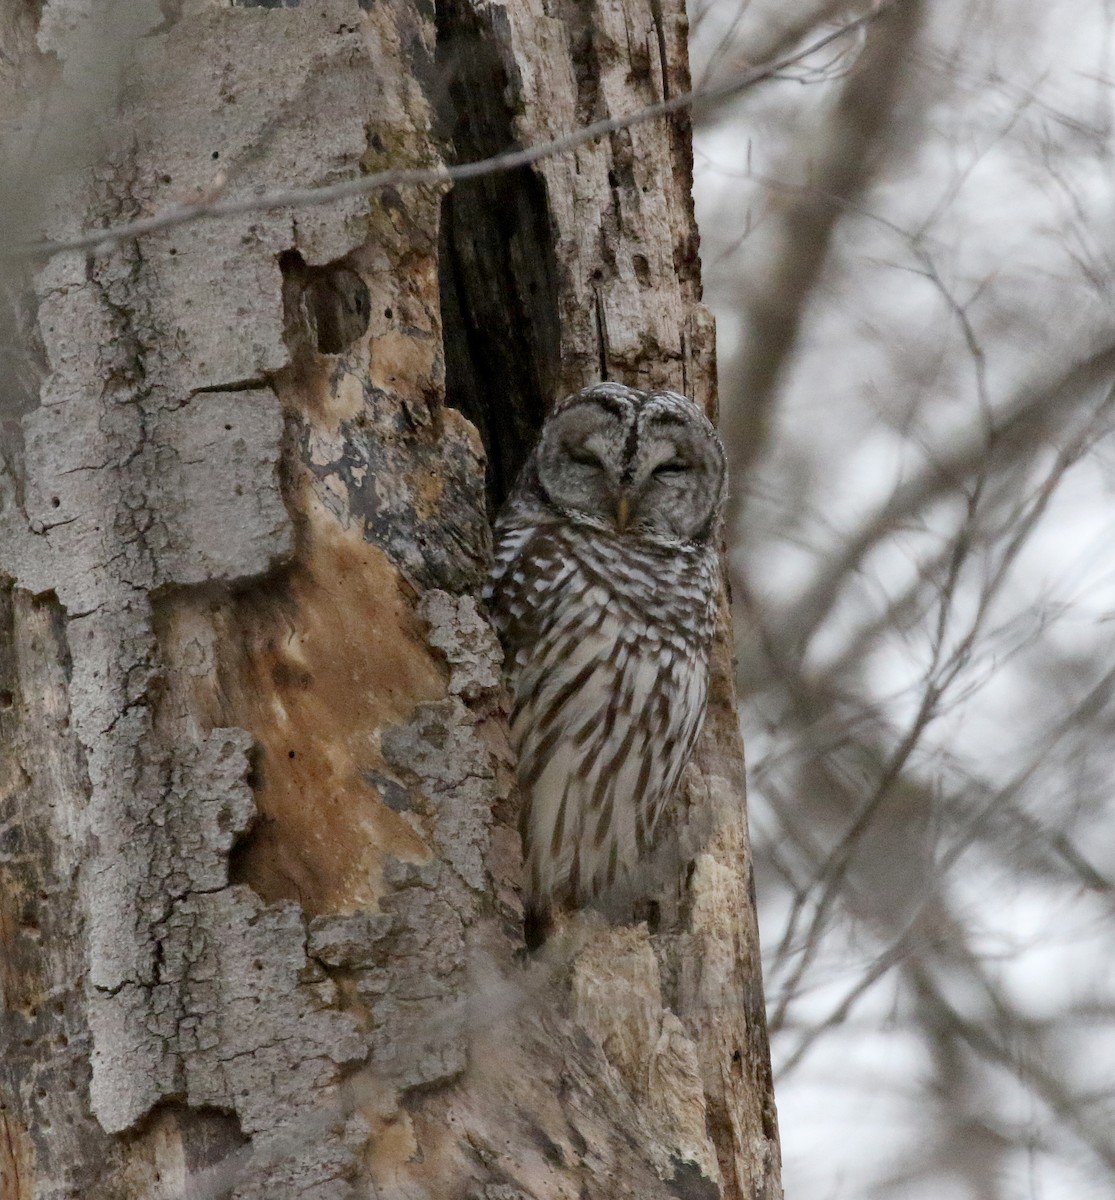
x,y
781,31
1022,1059
927,683
1019,432
942,672
775,305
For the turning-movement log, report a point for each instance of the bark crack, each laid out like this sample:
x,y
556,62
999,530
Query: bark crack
x,y
497,264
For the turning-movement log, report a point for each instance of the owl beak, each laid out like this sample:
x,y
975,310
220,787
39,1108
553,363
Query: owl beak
x,y
623,512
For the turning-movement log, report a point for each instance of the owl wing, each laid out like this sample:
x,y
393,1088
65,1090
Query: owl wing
x,y
531,568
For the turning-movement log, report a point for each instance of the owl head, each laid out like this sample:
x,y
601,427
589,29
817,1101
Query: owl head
x,y
637,463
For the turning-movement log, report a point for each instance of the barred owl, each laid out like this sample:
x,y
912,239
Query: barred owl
x,y
604,593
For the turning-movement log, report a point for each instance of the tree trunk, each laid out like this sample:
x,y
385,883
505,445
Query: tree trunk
x,y
259,904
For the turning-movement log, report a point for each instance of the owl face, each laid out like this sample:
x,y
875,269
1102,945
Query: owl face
x,y
639,463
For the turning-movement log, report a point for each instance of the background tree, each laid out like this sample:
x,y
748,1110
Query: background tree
x,y
258,868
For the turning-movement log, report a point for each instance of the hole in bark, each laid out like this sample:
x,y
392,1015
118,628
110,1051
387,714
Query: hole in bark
x,y
690,1182
206,1134
7,699
334,301
54,502
497,268
254,777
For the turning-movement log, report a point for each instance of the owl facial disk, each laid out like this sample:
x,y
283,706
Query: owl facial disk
x,y
643,463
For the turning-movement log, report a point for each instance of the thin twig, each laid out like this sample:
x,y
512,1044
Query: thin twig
x,y
181,214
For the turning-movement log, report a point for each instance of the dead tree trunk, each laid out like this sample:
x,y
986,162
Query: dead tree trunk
x,y
258,868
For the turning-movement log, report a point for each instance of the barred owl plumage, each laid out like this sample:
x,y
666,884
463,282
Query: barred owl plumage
x,y
604,593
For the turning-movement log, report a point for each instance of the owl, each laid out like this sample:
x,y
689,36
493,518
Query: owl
x,y
604,593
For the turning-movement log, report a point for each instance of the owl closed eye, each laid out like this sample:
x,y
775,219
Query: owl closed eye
x,y
604,592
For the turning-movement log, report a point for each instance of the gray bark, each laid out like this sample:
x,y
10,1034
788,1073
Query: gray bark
x,y
258,867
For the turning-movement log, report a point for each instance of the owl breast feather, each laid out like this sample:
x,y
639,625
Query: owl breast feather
x,y
606,646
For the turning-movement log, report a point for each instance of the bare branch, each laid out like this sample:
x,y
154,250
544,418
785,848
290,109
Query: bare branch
x,y
1017,434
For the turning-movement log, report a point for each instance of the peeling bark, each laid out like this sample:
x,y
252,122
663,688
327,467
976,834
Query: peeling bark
x,y
258,869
